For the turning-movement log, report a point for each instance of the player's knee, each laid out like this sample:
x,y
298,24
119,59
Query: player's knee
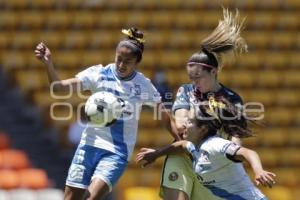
x,y
73,193
97,190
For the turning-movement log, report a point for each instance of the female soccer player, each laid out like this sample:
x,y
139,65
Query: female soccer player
x,y
103,153
178,180
216,161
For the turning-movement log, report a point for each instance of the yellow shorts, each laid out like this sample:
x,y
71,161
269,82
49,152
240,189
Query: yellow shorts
x,y
178,174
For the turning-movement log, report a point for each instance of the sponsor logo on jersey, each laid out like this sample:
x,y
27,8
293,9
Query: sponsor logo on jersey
x,y
173,176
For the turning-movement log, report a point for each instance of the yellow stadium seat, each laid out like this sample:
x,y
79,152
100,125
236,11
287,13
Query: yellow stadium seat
x,y
84,19
14,59
268,159
273,137
77,39
241,78
9,19
291,78
111,18
257,40
28,80
15,4
279,193
249,60
282,40
24,40
266,97
265,20
294,136
147,119
5,39
43,4
157,39
268,78
276,60
100,39
58,19
174,79
287,97
187,20
286,176
33,19
279,116
162,19
290,157
52,39
288,20
145,193
68,59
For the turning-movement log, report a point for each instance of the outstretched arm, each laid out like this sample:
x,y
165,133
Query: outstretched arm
x,y
43,53
170,123
261,176
147,156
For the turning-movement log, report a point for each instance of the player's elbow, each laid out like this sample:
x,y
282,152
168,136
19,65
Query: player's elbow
x,y
59,86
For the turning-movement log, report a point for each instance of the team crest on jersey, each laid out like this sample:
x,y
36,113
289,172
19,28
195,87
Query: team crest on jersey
x,y
136,90
173,176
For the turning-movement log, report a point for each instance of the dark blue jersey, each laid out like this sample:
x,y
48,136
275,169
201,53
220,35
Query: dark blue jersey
x,y
187,96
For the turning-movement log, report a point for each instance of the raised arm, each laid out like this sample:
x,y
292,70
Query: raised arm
x,y
147,156
170,123
43,53
261,176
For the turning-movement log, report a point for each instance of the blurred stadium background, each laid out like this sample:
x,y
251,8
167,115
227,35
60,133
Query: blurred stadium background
x,y
35,150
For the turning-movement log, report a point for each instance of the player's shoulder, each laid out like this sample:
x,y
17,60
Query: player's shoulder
x,y
185,88
231,95
214,143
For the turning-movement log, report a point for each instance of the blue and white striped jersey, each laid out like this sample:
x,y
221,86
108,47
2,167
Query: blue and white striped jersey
x,y
136,90
212,161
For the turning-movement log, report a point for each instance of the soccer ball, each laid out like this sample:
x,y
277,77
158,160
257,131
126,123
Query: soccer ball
x,y
103,108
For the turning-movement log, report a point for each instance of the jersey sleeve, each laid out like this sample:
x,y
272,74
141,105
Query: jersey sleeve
x,y
225,148
190,147
88,77
182,100
150,95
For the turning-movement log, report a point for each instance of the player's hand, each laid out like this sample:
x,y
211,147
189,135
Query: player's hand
x,y
43,53
265,178
146,156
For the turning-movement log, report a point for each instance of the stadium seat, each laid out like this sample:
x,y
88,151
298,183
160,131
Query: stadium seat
x,y
291,78
287,98
33,178
268,78
58,19
50,194
31,79
24,40
279,193
9,179
32,20
15,4
23,194
137,193
76,39
288,21
268,159
294,136
279,116
13,159
273,137
84,19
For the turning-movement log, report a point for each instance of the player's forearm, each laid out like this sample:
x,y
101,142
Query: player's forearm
x,y
253,159
170,124
174,148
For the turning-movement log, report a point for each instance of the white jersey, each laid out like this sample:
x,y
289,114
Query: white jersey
x,y
136,90
217,170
